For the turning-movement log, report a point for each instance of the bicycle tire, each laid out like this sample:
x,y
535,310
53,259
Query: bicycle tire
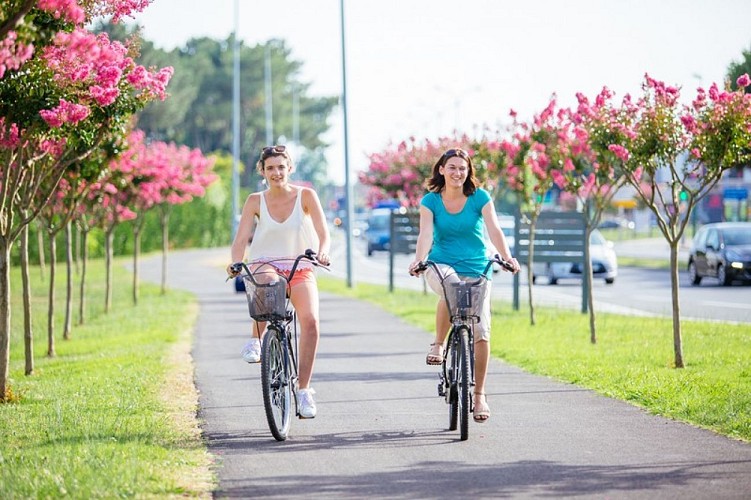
x,y
276,384
464,382
450,370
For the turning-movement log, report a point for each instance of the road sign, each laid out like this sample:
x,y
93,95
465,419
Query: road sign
x,y
740,193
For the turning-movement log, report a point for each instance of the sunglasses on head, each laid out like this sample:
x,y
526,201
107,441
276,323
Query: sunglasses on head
x,y
456,152
273,150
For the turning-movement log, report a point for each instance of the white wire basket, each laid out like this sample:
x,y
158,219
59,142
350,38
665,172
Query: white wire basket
x,y
465,298
266,301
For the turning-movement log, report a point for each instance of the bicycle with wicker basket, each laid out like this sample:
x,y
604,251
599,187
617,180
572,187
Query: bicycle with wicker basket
x,y
457,376
267,291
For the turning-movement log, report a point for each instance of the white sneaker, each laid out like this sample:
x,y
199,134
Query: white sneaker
x,y
306,404
251,353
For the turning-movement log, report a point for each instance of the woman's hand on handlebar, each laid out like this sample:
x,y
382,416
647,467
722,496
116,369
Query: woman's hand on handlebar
x,y
234,269
323,258
416,268
509,265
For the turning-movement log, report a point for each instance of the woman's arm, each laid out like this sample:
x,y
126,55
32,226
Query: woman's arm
x,y
245,227
312,206
424,237
497,238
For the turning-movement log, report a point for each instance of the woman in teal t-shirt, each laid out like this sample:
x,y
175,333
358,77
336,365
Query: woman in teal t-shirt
x,y
452,216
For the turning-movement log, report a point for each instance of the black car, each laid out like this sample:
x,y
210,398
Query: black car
x,y
722,251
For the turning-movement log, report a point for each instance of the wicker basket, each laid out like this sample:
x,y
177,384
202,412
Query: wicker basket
x,y
266,301
465,298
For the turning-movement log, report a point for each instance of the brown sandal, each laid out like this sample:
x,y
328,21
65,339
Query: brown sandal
x,y
435,354
482,410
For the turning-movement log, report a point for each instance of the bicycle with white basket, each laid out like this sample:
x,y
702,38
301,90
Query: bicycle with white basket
x,y
267,291
457,377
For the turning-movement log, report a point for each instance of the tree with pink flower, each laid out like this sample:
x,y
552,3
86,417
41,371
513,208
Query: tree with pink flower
x,y
591,166
526,160
61,104
680,152
165,175
399,172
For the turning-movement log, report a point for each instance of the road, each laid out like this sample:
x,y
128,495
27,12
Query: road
x,y
636,291
381,430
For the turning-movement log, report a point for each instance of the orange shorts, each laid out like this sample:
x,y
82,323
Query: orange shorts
x,y
306,275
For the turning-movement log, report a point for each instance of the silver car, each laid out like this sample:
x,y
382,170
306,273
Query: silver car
x,y
604,263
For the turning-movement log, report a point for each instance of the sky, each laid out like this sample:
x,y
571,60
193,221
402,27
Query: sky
x,y
425,68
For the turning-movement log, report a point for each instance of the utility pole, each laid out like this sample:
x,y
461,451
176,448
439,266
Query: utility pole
x,y
269,97
347,183
236,125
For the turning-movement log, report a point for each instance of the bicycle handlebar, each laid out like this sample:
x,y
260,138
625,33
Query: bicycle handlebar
x,y
238,267
423,266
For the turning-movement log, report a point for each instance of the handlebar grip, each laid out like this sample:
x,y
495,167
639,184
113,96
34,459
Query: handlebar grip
x,y
237,267
420,267
504,264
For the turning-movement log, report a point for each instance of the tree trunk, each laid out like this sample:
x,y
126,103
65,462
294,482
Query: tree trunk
x,y
69,283
5,247
165,247
51,305
28,335
109,237
136,251
589,279
84,261
674,283
77,248
40,246
530,271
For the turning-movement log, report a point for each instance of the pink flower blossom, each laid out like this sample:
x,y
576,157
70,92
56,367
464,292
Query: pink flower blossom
x,y
66,9
620,152
743,81
9,135
558,178
12,54
64,112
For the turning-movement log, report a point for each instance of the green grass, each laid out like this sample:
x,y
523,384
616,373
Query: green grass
x,y
113,414
632,360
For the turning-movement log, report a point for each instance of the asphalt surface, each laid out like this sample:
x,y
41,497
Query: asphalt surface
x,y
381,429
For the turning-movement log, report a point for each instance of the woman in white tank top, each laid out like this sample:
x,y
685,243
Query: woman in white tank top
x,y
288,220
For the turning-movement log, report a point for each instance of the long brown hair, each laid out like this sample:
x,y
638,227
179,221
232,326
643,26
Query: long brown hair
x,y
437,182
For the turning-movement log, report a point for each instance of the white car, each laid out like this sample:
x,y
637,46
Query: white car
x,y
604,263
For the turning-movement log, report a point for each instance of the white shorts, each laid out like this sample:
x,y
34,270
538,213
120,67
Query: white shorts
x,y
482,328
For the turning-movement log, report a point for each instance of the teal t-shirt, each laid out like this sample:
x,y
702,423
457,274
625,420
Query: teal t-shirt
x,y
458,239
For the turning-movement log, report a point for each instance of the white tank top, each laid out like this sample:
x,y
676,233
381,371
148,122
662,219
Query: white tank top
x,y
287,239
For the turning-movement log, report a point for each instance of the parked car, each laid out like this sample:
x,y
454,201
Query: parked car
x,y
721,250
617,223
603,257
377,234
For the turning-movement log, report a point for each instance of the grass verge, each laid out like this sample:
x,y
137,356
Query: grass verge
x,y
113,414
632,360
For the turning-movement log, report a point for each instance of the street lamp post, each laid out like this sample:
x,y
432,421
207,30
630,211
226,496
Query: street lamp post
x,y
235,124
347,183
269,97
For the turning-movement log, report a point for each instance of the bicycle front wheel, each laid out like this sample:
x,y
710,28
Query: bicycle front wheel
x,y
464,383
276,384
450,370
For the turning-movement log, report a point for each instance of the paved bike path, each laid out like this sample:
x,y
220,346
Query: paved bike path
x,y
381,429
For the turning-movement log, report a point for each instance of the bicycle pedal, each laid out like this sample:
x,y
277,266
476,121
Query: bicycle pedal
x,y
441,390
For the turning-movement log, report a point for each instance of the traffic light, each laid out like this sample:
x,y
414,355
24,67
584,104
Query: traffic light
x,y
684,195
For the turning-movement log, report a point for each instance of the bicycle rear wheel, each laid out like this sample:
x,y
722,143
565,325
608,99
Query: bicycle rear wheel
x,y
276,384
464,382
